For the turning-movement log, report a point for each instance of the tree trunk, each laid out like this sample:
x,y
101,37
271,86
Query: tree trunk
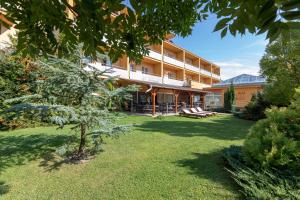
x,y
82,139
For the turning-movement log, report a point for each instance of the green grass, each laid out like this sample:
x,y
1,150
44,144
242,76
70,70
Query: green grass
x,y
164,158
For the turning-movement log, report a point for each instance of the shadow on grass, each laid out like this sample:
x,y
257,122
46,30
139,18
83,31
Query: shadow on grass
x,y
218,128
4,188
210,166
19,150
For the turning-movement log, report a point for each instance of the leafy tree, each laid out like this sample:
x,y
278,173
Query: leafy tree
x,y
138,23
229,98
281,66
71,93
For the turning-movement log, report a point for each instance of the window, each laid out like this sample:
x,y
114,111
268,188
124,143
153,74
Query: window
x,y
144,70
132,67
171,75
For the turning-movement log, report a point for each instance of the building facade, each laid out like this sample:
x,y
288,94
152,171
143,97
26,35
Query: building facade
x,y
245,86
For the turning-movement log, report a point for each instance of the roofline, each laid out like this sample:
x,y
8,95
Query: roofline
x,y
239,84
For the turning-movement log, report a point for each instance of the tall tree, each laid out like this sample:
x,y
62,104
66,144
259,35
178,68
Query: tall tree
x,y
281,66
144,22
71,93
229,98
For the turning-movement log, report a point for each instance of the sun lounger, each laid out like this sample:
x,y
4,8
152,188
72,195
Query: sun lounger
x,y
199,109
201,112
186,112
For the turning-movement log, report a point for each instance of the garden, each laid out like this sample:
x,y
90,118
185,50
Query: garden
x,y
64,135
161,158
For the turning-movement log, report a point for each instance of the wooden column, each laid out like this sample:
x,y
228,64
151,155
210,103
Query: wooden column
x,y
153,95
199,64
176,94
211,69
191,99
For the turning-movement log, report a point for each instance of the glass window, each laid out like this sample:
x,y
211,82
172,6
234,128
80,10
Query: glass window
x,y
144,70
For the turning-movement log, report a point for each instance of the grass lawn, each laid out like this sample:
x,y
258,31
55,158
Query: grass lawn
x,y
163,158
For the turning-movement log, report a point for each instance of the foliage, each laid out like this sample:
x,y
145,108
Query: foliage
x,y
265,16
17,78
229,98
260,184
281,66
126,33
71,93
274,142
255,110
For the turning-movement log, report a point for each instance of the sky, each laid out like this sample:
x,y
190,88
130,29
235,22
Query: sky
x,y
235,55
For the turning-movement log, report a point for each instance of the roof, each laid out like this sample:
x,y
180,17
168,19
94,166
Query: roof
x,y
166,86
243,79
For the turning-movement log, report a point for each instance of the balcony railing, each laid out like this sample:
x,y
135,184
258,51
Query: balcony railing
x,y
173,61
191,67
216,76
138,75
173,81
155,55
206,72
113,71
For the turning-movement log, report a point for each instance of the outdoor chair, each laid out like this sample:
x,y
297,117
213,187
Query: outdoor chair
x,y
199,109
201,112
186,112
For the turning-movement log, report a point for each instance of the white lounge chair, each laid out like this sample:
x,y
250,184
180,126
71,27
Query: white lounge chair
x,y
186,112
199,109
201,112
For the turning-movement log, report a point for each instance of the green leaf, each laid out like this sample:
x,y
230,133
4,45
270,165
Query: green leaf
x,y
289,5
291,15
221,24
224,32
267,6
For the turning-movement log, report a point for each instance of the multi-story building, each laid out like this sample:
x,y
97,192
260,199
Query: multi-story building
x,y
169,77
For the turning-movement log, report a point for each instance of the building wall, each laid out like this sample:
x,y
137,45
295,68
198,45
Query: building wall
x,y
243,94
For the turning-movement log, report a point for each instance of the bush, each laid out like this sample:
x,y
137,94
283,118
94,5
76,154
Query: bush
x,y
258,183
255,110
274,142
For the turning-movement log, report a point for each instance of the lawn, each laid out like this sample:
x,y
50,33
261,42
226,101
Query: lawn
x,y
163,158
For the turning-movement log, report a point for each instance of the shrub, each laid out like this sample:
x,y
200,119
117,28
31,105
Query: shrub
x,y
255,110
274,142
260,184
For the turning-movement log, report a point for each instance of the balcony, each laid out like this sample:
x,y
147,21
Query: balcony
x,y
138,75
155,55
216,76
170,81
192,68
205,72
173,61
114,71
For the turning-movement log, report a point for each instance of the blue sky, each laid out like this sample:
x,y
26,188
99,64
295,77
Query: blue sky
x,y
235,55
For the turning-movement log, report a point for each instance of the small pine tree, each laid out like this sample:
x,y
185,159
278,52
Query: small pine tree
x,y
69,93
229,98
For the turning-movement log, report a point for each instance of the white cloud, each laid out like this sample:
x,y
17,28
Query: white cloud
x,y
233,68
257,43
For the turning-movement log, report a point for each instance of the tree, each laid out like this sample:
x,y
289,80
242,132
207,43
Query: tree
x,y
281,66
229,98
69,93
138,23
